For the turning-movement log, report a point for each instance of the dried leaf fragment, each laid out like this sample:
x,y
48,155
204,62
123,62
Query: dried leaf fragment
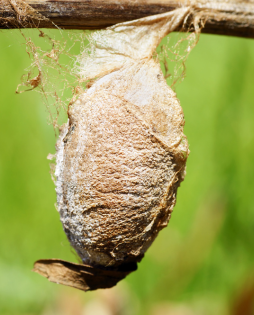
x,y
82,277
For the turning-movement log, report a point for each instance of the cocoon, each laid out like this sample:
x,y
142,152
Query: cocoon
x,y
122,154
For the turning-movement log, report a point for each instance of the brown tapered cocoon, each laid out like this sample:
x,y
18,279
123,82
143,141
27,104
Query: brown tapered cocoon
x,y
121,156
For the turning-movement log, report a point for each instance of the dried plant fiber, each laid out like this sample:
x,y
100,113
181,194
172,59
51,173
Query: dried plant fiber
x,y
122,154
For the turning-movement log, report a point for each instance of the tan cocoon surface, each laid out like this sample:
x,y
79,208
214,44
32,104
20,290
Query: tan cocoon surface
x,y
122,154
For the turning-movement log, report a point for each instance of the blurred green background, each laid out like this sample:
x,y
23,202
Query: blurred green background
x,y
203,262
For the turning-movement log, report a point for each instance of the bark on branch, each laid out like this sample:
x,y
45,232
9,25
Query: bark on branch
x,y
232,17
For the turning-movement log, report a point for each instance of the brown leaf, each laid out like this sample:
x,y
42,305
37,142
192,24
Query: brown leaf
x,y
82,277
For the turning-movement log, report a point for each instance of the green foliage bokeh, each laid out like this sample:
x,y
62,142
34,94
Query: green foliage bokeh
x,y
185,264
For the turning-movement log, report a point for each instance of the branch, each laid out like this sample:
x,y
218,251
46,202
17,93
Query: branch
x,y
232,17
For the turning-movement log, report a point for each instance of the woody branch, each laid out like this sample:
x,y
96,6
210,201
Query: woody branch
x,y
234,17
